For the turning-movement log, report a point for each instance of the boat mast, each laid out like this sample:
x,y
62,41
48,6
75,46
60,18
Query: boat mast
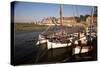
x,y
61,17
92,12
92,20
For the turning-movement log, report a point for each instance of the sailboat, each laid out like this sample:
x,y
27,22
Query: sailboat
x,y
57,40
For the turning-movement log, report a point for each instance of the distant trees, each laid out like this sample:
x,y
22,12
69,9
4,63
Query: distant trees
x,y
77,19
81,18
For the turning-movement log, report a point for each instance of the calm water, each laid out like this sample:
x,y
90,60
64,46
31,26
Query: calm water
x,y
25,45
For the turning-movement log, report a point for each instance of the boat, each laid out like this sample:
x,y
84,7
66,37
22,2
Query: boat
x,y
59,44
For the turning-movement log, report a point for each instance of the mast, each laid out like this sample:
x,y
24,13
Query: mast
x,y
92,12
91,24
92,20
61,17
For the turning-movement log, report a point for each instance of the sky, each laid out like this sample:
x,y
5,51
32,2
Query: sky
x,y
30,11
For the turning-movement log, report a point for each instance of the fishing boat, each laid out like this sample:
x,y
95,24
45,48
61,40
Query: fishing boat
x,y
59,44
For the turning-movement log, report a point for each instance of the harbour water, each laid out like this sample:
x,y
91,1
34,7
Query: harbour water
x,y
26,51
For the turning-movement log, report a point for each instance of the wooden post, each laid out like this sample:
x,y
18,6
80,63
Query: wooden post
x,y
51,51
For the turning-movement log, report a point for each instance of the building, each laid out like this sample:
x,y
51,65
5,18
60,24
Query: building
x,y
68,20
54,20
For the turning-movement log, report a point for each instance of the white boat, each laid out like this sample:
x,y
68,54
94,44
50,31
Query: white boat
x,y
53,45
73,43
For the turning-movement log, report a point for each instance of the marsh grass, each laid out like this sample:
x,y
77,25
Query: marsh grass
x,y
28,26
